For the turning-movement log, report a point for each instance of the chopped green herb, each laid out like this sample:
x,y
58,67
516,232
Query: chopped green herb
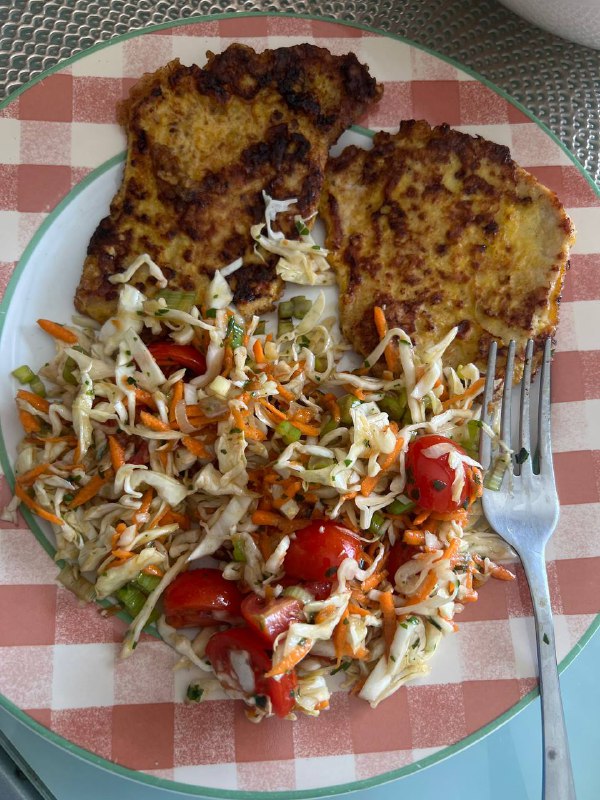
x,y
211,313
194,693
235,430
398,507
545,639
377,521
439,486
342,667
330,572
234,333
260,700
301,227
132,381
160,312
347,461
522,456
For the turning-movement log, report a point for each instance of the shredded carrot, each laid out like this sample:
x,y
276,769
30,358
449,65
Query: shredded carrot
x,y
227,361
195,447
40,403
288,662
285,393
420,518
354,390
309,430
275,412
154,423
460,516
254,433
291,487
259,353
373,581
502,574
31,474
415,538
88,491
144,398
264,545
176,397
322,615
123,555
36,507
361,612
170,517
381,324
368,484
386,601
339,636
55,439
145,504
425,590
119,562
269,593
117,453
57,331
322,705
330,401
468,393
451,550
153,569
30,423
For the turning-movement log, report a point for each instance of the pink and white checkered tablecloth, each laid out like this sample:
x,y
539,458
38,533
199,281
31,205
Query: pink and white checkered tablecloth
x,y
59,661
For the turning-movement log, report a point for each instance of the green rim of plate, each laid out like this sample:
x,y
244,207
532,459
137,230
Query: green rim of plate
x,y
172,785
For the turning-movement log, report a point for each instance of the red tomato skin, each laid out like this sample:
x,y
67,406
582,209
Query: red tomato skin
x,y
269,619
194,596
218,650
319,549
399,554
320,590
423,472
167,354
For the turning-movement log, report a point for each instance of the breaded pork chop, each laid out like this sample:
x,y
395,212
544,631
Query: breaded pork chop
x,y
203,144
444,229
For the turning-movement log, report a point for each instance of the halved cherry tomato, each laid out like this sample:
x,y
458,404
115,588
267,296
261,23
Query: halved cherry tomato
x,y
399,554
320,590
178,355
240,661
319,549
429,480
201,597
269,619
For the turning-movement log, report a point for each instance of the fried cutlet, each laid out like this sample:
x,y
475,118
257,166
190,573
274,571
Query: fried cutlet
x,y
441,229
203,145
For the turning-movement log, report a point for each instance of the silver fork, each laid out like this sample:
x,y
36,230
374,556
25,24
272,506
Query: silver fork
x,y
524,511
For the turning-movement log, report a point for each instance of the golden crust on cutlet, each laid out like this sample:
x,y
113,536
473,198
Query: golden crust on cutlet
x,y
441,229
203,144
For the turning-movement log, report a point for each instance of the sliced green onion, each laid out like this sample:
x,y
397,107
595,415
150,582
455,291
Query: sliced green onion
x,y
321,363
301,306
329,426
394,404
284,326
261,328
398,507
24,374
298,593
285,310
302,228
79,585
239,551
493,479
345,403
133,600
473,433
317,462
288,432
147,583
377,521
235,333
68,371
38,387
180,301
211,313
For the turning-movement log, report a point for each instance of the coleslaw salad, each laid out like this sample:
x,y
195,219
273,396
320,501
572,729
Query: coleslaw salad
x,y
178,437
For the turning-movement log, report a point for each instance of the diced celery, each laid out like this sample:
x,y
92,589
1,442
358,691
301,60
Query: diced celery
x,y
239,551
284,326
147,583
345,403
398,507
288,432
321,363
68,370
377,521
298,593
285,309
24,374
329,426
133,600
38,387
260,329
301,306
394,404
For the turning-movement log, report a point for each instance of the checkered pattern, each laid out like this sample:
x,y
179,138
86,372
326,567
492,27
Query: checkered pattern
x,y
59,661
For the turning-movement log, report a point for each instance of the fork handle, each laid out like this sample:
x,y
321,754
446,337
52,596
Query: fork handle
x,y
558,774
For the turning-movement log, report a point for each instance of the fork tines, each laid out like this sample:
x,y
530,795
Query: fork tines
x,y
522,452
